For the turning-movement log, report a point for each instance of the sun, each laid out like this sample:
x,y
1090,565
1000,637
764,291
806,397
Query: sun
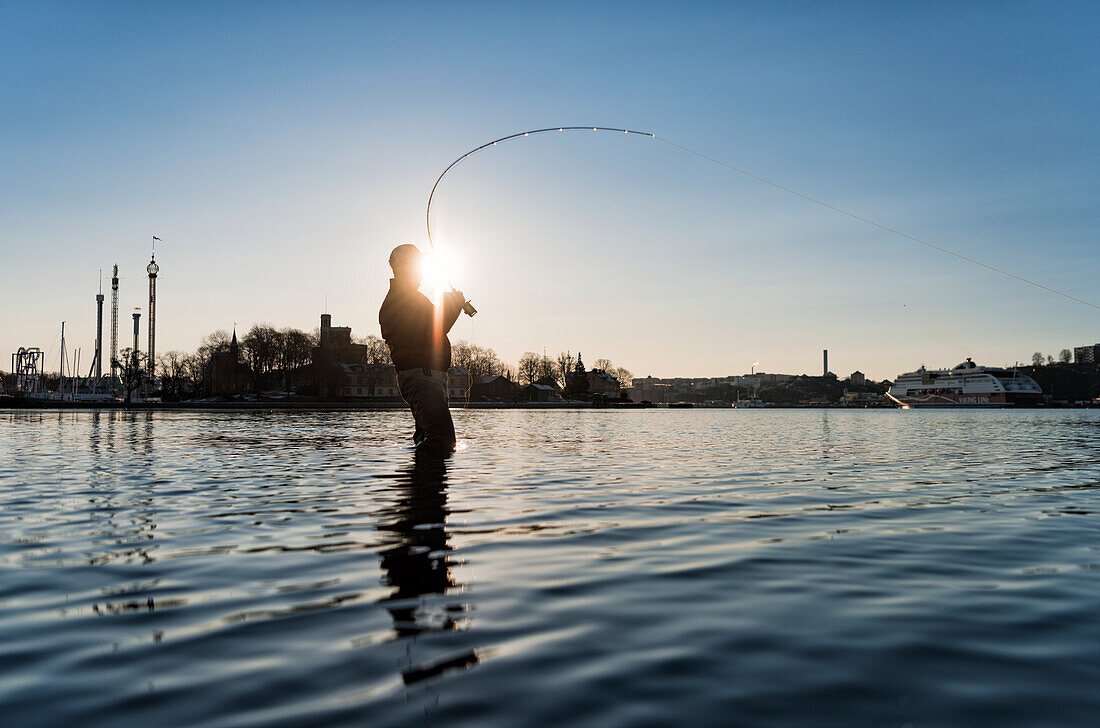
x,y
439,269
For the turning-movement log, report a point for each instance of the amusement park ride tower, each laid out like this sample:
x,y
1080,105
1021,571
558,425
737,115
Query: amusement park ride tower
x,y
152,269
114,325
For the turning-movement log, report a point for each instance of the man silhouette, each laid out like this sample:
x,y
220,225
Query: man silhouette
x,y
415,330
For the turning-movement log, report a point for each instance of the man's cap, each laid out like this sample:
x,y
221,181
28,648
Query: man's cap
x,y
406,253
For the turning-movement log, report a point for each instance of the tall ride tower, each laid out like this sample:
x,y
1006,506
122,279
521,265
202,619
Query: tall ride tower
x,y
99,332
152,269
114,325
135,369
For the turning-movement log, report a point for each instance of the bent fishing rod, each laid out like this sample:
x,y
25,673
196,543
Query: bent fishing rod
x,y
470,310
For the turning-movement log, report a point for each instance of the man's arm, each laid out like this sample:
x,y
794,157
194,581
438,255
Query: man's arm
x,y
452,307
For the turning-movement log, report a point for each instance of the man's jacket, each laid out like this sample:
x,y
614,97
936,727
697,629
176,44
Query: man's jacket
x,y
415,329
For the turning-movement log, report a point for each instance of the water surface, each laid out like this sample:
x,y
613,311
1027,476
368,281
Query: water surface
x,y
582,568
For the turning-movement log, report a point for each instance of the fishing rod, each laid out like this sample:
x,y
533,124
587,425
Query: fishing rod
x,y
468,307
738,170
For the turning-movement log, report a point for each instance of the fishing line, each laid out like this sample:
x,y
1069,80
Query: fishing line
x,y
746,173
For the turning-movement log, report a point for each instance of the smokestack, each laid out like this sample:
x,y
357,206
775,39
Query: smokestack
x,y
825,362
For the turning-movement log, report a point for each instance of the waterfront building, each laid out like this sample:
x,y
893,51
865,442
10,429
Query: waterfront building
x,y
335,346
458,385
542,393
648,390
600,382
495,387
225,374
858,377
368,381
1086,354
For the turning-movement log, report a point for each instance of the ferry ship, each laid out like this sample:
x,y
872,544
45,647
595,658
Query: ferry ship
x,y
967,385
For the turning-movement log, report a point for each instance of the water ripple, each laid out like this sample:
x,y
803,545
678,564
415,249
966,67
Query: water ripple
x,y
582,568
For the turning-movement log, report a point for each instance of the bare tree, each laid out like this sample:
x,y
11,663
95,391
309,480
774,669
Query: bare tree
x,y
213,342
478,361
529,367
1050,359
1065,356
261,350
132,367
603,365
566,362
195,371
1037,359
172,366
547,368
624,375
295,350
377,350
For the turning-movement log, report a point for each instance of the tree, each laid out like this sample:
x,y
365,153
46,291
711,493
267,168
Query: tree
x,y
1037,359
547,368
195,371
213,342
377,350
132,368
1065,356
565,364
261,352
624,375
1050,360
295,350
478,361
603,365
529,367
577,383
172,366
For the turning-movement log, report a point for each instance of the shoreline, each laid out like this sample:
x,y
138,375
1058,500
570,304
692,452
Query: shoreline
x,y
321,406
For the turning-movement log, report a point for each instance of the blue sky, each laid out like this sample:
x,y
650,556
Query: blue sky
x,y
280,151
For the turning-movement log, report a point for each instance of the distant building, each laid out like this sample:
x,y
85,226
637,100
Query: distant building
x,y
861,398
774,378
458,384
370,381
334,349
858,378
335,344
1086,354
495,387
600,382
225,374
542,393
649,390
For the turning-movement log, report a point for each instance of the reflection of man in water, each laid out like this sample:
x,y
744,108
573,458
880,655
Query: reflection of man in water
x,y
416,332
416,563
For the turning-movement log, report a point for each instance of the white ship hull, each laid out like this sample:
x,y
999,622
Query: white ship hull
x,y
967,385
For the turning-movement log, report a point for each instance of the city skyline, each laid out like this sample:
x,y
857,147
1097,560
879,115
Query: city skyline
x,y
281,159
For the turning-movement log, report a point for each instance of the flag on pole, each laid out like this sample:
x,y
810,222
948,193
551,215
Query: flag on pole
x,y
155,238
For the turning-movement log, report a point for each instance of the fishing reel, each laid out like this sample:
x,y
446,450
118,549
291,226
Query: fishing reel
x,y
467,307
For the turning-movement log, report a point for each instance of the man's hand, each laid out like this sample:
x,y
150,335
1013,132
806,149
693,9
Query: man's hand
x,y
466,306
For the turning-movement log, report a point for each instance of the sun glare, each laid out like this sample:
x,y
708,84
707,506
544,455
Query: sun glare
x,y
439,273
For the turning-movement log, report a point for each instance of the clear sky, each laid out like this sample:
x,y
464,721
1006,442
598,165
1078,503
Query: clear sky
x,y
280,151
